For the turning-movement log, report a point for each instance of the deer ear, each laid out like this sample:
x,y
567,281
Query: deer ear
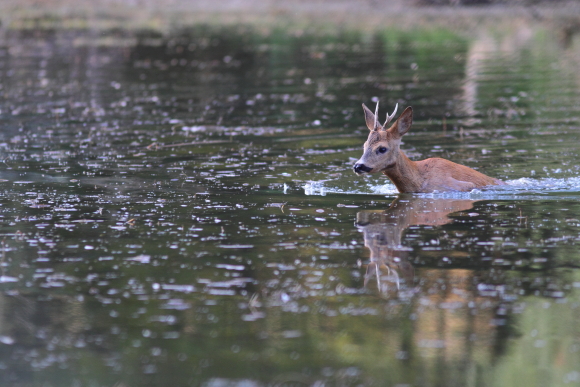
x,y
369,118
403,124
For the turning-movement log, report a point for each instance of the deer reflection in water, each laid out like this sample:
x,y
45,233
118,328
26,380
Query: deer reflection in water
x,y
383,232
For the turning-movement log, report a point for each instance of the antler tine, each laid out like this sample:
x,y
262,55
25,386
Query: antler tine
x,y
376,114
390,117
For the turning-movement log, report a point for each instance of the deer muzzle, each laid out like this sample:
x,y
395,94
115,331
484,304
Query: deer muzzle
x,y
360,168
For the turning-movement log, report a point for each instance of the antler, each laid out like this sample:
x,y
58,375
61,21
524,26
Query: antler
x,y
376,114
390,117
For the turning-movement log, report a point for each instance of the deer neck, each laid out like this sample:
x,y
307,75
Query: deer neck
x,y
405,174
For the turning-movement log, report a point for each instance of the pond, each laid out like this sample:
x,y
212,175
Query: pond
x,y
180,209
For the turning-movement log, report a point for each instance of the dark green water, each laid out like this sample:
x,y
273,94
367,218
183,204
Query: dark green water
x,y
181,210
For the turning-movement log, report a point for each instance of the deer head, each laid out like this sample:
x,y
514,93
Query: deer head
x,y
381,150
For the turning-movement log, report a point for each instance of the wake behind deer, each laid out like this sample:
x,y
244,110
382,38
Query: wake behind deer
x,y
382,153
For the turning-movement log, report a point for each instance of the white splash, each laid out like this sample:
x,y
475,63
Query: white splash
x,y
323,187
518,187
548,184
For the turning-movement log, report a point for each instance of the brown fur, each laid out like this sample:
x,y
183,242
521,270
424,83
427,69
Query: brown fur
x,y
434,174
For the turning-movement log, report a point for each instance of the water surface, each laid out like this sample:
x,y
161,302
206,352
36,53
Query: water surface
x,y
181,210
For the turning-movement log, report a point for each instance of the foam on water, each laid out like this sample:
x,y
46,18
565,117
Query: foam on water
x,y
513,188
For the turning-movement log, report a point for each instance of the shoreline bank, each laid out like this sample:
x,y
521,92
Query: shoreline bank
x,y
315,15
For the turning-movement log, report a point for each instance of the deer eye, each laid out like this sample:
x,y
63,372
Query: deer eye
x,y
382,149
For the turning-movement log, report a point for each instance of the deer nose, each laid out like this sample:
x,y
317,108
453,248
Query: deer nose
x,y
361,168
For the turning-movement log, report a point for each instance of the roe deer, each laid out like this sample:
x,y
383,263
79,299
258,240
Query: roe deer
x,y
382,154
